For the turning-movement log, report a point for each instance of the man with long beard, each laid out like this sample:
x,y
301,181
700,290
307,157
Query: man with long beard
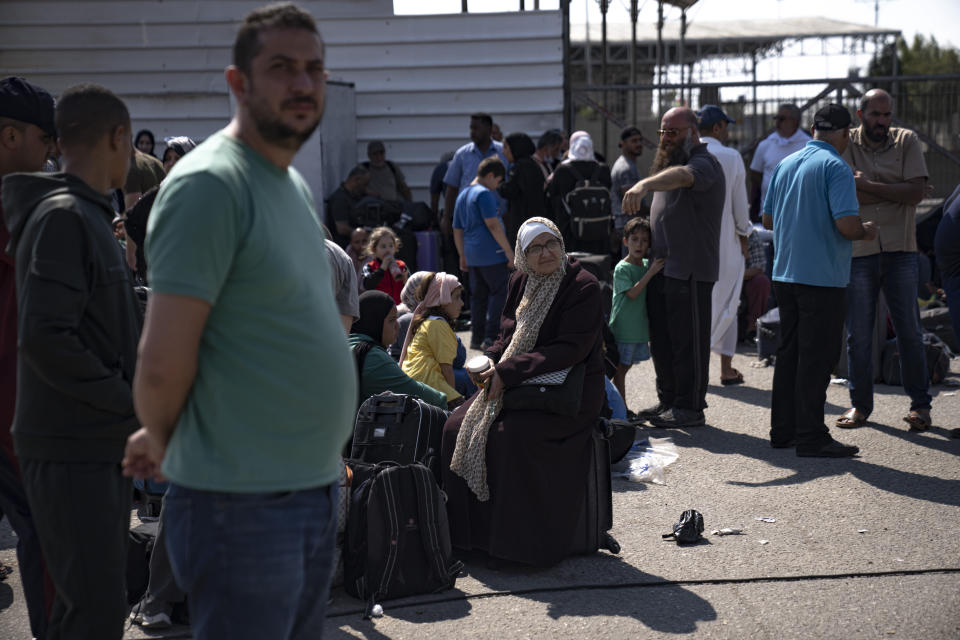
x,y
689,190
240,381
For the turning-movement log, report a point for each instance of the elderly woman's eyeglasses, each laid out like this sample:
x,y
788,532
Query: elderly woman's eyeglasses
x,y
536,250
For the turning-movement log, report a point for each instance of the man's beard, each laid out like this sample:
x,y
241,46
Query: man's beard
x,y
678,154
876,133
274,131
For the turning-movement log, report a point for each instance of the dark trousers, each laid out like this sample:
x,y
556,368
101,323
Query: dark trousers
x,y
811,331
13,504
679,315
756,290
82,515
488,293
162,590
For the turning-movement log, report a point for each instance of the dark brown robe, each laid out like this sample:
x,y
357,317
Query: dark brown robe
x,y
536,462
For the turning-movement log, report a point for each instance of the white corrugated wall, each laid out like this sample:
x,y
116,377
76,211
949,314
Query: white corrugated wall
x,y
417,78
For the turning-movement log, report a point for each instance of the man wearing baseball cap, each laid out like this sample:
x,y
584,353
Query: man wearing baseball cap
x,y
27,139
812,207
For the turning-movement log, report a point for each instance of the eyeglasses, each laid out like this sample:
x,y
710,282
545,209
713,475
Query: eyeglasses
x,y
670,132
553,246
780,118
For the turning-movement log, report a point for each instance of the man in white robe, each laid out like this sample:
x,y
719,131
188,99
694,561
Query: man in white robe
x,y
734,229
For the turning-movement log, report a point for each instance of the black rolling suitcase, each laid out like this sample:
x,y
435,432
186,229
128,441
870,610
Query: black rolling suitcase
x,y
596,517
398,428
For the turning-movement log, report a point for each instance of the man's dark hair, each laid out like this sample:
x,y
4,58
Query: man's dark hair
x,y
357,171
87,112
635,225
549,138
792,109
283,15
491,165
485,118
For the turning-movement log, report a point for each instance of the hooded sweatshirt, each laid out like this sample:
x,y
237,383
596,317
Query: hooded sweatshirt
x,y
77,319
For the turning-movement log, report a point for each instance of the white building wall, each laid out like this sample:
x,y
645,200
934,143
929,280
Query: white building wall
x,y
417,78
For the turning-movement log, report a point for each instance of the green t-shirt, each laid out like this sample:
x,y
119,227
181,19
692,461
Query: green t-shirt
x,y
628,318
273,400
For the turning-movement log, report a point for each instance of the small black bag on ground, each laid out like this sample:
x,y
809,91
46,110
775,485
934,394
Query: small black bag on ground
x,y
596,517
688,529
398,428
398,536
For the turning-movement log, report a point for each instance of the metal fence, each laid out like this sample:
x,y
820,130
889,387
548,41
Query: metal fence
x,y
929,105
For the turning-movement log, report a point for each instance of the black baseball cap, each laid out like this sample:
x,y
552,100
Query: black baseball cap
x,y
20,100
711,114
629,132
832,117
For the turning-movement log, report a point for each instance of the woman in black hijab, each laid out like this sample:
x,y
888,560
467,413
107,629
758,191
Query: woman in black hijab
x,y
524,187
376,329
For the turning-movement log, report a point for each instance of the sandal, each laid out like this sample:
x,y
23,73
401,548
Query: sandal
x,y
919,419
737,379
852,419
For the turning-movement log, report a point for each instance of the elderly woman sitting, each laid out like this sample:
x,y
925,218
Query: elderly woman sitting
x,y
515,478
376,329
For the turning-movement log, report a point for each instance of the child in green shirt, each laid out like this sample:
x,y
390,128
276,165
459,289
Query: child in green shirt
x,y
628,318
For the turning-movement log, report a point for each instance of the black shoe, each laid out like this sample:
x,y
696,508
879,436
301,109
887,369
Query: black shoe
x,y
675,418
784,444
652,412
476,346
833,449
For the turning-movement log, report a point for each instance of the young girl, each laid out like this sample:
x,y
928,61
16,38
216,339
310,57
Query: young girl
x,y
383,272
431,345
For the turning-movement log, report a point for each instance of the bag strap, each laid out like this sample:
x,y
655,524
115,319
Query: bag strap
x,y
576,174
390,515
429,516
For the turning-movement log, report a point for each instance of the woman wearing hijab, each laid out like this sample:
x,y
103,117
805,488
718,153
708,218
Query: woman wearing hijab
x,y
378,327
523,188
515,479
580,165
177,147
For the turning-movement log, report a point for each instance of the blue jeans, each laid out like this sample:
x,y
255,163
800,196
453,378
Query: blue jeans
x,y
897,273
253,565
951,286
488,293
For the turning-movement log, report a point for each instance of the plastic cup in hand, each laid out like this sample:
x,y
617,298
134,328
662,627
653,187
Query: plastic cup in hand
x,y
395,270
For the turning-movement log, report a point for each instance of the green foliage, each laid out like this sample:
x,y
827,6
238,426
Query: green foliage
x,y
923,57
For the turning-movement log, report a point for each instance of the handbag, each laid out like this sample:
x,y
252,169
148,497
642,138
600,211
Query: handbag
x,y
557,392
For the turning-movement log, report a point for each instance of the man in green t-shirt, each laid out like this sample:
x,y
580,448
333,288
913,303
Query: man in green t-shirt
x,y
241,379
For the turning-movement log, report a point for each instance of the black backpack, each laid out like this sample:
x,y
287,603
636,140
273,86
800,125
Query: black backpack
x,y
588,206
398,538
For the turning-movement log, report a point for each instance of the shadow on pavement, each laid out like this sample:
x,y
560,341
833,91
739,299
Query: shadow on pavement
x,y
759,397
905,483
662,607
6,594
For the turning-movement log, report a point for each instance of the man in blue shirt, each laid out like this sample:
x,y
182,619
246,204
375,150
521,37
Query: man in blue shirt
x,y
463,167
485,253
812,207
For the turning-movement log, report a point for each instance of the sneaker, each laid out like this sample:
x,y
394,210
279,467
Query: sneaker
x,y
832,449
652,412
675,418
159,620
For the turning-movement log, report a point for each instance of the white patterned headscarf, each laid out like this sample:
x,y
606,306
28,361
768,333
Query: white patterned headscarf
x,y
581,146
469,456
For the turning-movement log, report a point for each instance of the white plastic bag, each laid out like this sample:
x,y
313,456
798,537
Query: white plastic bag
x,y
647,460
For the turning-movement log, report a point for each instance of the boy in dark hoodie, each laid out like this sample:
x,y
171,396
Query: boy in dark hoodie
x,y
78,326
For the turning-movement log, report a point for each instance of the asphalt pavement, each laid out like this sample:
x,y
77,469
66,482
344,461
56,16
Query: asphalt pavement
x,y
860,548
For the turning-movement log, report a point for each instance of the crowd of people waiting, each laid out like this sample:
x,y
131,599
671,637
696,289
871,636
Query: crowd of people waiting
x,y
232,388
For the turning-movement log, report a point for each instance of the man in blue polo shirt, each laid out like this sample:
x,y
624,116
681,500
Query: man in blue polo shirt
x,y
463,167
812,207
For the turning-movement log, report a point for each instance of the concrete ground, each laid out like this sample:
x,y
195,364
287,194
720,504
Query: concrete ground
x,y
861,548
